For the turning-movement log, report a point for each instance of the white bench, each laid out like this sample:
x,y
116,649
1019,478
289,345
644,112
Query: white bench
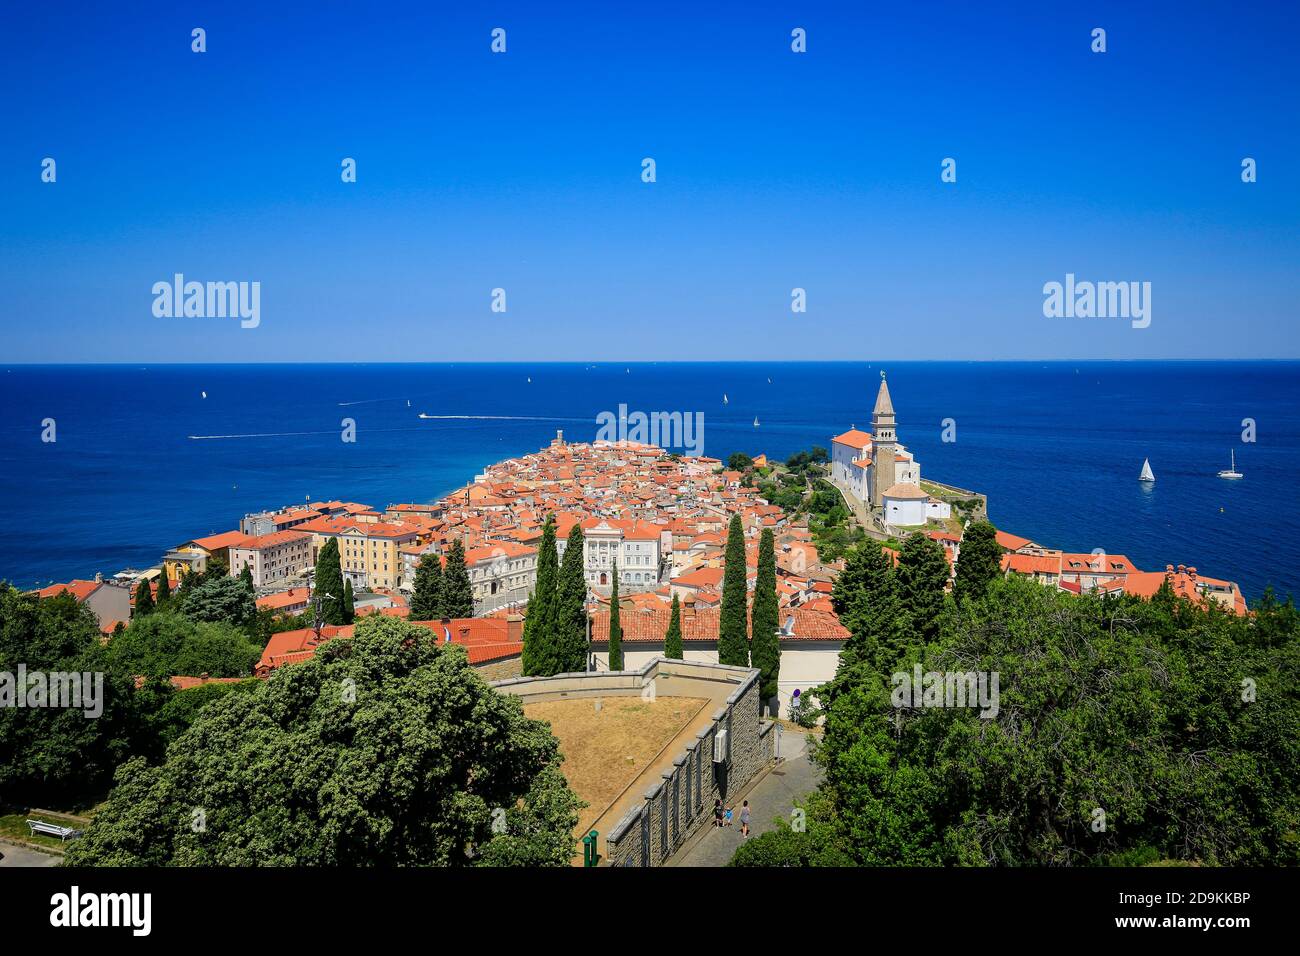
x,y
53,829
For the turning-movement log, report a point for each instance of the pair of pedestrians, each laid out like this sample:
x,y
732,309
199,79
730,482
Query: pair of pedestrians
x,y
722,816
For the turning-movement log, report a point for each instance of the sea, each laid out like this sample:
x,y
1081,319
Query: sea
x,y
144,458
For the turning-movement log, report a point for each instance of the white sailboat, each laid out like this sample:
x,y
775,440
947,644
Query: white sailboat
x,y
1232,473
1147,473
724,398
755,421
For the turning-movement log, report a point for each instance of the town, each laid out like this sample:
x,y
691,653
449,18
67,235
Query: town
x,y
660,519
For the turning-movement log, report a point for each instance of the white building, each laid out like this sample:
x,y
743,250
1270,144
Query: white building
x,y
866,465
639,549
272,557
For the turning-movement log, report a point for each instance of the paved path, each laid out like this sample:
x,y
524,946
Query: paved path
x,y
13,855
772,797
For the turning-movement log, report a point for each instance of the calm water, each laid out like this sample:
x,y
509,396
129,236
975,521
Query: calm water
x,y
1057,447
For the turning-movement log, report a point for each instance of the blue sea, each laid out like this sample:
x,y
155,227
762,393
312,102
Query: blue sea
x,y
143,461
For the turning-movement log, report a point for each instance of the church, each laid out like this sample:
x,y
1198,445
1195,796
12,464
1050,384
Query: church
x,y
880,472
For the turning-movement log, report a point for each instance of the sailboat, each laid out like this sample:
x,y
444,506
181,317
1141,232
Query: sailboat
x,y
1147,473
1232,473
755,421
724,398
408,403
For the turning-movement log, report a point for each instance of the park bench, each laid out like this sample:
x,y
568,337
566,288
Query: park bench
x,y
53,829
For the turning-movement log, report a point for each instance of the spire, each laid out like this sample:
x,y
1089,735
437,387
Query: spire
x,y
884,405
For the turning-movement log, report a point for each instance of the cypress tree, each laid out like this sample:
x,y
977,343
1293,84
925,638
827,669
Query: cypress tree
x,y
164,590
615,630
329,583
246,576
733,647
457,593
979,563
540,657
143,599
922,576
571,606
673,637
426,602
764,619
349,609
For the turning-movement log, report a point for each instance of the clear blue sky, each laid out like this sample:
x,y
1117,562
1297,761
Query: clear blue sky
x,y
522,171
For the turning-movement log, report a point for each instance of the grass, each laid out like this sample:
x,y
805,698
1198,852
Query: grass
x,y
604,750
14,826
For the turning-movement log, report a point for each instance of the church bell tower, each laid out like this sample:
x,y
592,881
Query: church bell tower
x,y
883,440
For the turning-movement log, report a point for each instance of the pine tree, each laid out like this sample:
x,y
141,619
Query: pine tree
x,y
733,646
143,599
426,602
979,563
349,607
615,630
922,576
164,590
764,619
329,583
246,576
540,657
571,606
673,637
457,592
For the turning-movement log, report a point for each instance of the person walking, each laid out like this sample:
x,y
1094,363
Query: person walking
x,y
744,819
717,813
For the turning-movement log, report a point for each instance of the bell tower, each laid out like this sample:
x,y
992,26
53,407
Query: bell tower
x,y
883,440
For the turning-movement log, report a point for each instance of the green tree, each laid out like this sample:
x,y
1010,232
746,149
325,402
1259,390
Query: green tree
x,y
739,461
329,583
615,628
222,600
922,575
865,596
457,592
184,706
164,595
540,657
733,645
980,562
426,602
764,619
406,756
166,644
571,606
673,637
246,577
143,599
349,602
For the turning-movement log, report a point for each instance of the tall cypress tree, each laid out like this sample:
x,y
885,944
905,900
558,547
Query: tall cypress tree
x,y
540,657
615,629
922,577
457,592
143,599
164,590
673,637
979,563
426,601
349,608
733,646
329,583
764,619
246,576
571,606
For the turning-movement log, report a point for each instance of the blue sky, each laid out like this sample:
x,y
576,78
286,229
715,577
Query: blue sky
x,y
522,171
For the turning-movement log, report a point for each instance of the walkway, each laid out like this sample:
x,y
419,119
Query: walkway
x,y
770,799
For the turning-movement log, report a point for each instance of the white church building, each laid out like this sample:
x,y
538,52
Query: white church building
x,y
880,472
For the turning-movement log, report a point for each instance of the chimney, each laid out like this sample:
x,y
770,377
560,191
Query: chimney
x,y
514,627
1191,573
1169,569
1182,568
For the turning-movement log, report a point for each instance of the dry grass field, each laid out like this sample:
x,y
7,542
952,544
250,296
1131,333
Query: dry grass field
x,y
605,749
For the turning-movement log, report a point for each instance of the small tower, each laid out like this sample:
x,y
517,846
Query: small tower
x,y
883,440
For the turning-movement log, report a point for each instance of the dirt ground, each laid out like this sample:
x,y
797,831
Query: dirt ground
x,y
605,749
